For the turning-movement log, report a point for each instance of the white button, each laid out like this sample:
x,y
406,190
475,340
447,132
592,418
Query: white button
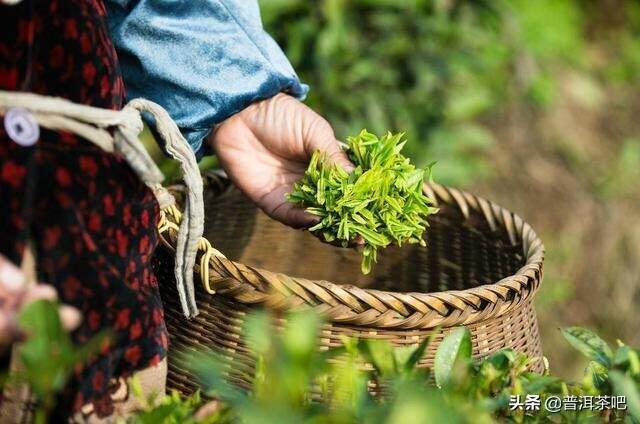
x,y
21,126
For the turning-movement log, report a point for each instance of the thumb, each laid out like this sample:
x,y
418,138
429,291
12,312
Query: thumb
x,y
319,136
293,216
336,155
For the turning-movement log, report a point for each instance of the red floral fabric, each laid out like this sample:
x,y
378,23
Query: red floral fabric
x,y
90,219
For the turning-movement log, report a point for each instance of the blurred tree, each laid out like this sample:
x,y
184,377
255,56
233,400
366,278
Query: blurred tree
x,y
430,68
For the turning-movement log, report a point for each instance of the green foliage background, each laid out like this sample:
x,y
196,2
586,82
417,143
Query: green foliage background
x,y
528,103
431,68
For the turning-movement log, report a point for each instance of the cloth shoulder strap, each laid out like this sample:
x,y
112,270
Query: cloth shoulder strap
x,y
118,132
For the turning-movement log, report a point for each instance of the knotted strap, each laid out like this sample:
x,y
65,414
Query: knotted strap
x,y
94,124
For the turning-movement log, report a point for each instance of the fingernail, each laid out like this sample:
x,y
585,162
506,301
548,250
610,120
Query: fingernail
x,y
312,220
348,167
11,277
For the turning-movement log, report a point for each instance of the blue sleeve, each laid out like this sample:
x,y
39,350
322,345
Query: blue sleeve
x,y
202,60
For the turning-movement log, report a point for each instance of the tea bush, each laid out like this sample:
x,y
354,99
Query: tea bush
x,y
457,389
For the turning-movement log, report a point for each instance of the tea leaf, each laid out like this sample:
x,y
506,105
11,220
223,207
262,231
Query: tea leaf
x,y
589,344
455,347
417,353
381,355
625,386
381,201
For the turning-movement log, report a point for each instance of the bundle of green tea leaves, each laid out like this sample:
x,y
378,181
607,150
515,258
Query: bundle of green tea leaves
x,y
381,200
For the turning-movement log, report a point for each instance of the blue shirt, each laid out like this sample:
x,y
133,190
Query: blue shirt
x,y
202,60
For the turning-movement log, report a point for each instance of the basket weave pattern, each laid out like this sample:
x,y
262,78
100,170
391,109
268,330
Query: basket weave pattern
x,y
481,268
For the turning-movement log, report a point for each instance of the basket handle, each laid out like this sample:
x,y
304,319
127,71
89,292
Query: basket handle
x,y
169,225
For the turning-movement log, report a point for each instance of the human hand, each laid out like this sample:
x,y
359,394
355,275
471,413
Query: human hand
x,y
266,148
15,293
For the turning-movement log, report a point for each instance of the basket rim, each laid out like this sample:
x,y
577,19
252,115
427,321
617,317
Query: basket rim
x,y
352,305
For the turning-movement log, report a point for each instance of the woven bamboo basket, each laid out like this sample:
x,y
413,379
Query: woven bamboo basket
x,y
481,268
